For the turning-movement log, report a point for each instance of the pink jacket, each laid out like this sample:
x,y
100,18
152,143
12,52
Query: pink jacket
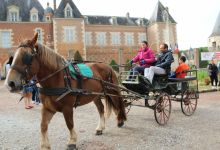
x,y
145,54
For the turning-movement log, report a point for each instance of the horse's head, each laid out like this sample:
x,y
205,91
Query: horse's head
x,y
24,66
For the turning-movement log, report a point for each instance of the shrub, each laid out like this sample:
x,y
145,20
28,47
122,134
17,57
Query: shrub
x,y
114,65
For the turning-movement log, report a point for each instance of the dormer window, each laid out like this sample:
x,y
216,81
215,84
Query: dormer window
x,y
34,15
68,11
48,18
113,20
140,21
13,13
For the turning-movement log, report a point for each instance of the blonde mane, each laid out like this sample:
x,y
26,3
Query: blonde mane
x,y
50,58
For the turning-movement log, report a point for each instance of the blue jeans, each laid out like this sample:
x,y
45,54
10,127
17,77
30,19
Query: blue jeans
x,y
136,70
35,94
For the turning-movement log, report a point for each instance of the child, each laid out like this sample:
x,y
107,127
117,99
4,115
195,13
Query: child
x,y
27,94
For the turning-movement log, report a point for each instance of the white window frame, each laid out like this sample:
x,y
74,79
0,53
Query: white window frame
x,y
66,13
32,17
5,40
88,38
69,34
34,12
101,38
13,13
40,36
129,38
142,37
115,38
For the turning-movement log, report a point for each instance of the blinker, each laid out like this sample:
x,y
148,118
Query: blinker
x,y
27,58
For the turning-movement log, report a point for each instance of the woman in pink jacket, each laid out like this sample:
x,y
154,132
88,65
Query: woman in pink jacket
x,y
145,58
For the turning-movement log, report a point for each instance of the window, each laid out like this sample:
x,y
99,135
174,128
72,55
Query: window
x,y
129,38
101,38
69,34
214,44
88,38
13,16
70,54
5,39
13,13
34,15
39,39
48,18
142,37
68,11
115,38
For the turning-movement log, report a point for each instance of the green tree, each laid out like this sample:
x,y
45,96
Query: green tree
x,y
114,65
78,57
202,63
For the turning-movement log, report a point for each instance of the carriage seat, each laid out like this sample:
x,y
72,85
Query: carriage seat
x,y
182,79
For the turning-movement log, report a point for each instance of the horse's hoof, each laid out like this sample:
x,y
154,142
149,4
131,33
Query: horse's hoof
x,y
98,132
120,124
71,147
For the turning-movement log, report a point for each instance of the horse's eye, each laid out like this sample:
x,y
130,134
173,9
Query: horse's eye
x,y
27,58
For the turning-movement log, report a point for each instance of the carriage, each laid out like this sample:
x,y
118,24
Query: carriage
x,y
61,91
160,93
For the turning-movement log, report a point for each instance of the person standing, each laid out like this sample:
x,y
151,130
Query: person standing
x,y
27,94
145,58
213,73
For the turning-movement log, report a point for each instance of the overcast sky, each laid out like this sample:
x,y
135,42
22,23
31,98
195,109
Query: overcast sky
x,y
195,18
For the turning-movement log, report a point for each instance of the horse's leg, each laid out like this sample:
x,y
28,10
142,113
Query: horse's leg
x,y
46,117
101,125
68,116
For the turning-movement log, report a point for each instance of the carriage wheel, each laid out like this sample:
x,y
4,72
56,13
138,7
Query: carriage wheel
x,y
189,102
162,109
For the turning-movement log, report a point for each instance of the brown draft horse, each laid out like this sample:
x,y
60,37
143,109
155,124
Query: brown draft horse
x,y
44,62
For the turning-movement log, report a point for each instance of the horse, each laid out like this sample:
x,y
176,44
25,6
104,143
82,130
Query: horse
x,y
35,59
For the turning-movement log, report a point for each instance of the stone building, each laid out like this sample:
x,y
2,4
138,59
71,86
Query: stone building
x,y
66,30
214,38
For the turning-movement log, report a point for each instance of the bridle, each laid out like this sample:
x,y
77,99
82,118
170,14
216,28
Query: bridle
x,y
27,59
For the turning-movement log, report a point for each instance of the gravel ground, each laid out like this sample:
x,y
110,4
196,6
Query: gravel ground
x,y
20,128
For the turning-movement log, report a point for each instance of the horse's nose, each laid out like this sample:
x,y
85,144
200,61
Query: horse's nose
x,y
11,84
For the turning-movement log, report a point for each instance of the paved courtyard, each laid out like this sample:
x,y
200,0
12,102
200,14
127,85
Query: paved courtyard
x,y
20,127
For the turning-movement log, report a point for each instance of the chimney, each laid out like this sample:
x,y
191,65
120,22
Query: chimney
x,y
127,15
48,4
54,5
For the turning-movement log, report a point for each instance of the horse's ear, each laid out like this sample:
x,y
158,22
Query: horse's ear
x,y
34,40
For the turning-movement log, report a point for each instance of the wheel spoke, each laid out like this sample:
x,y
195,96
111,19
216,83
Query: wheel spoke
x,y
165,114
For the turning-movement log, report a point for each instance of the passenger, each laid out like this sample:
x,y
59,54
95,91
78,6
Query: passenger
x,y
145,58
182,68
180,71
163,64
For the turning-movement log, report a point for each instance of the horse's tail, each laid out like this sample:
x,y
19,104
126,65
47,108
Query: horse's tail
x,y
115,102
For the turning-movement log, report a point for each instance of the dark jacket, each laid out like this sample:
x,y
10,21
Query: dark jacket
x,y
212,69
164,61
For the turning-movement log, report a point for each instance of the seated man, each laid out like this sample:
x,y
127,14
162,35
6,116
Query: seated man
x,y
163,64
182,68
145,58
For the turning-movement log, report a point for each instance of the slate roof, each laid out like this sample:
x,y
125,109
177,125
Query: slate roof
x,y
216,29
105,20
158,14
48,10
59,13
24,9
